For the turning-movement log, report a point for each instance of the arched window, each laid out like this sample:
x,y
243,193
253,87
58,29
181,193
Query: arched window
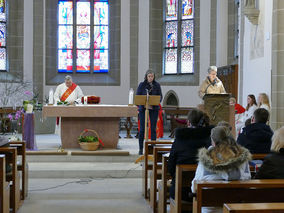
x,y
83,36
3,27
178,37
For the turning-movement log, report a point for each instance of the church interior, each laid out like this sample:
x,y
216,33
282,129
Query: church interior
x,y
106,50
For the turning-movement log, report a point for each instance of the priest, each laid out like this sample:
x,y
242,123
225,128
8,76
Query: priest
x,y
68,91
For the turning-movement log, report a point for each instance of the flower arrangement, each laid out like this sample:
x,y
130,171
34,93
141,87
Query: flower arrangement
x,y
16,117
90,143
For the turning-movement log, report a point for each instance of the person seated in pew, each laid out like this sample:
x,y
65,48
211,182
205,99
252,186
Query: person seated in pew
x,y
187,142
256,137
273,164
224,160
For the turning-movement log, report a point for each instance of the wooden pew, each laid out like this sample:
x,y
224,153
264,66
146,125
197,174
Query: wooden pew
x,y
4,187
253,208
13,176
258,156
22,166
216,193
163,186
156,173
184,175
148,151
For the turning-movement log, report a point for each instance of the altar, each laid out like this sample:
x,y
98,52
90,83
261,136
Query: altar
x,y
104,119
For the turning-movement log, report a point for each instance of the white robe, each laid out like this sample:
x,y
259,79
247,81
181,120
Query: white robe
x,y
76,95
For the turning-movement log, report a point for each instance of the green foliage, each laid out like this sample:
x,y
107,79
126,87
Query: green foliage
x,y
62,103
88,139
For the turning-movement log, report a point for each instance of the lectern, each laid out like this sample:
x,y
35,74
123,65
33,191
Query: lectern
x,y
217,107
147,100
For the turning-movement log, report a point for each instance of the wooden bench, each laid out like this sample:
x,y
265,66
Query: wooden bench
x,y
163,186
216,193
258,156
22,166
184,176
4,187
12,176
253,208
148,151
156,173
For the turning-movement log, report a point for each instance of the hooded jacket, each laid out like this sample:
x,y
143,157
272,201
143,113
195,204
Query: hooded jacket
x,y
223,162
256,138
185,149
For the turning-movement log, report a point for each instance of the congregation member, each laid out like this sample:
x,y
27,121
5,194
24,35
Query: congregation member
x,y
212,84
273,164
250,108
151,86
263,101
256,137
186,144
224,160
68,91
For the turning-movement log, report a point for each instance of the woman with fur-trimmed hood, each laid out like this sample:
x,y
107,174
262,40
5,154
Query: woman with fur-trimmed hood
x,y
224,160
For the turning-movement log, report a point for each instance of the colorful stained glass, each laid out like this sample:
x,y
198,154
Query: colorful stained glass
x,y
100,37
187,9
65,12
2,59
171,34
187,60
83,13
2,34
2,10
83,37
101,13
172,10
65,61
65,36
83,61
171,61
187,33
101,61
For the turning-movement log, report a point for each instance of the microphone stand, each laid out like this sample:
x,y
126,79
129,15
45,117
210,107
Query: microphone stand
x,y
146,115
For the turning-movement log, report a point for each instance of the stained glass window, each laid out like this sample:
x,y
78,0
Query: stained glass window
x,y
3,25
179,37
83,35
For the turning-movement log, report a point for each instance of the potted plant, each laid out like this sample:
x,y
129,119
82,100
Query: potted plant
x,y
89,142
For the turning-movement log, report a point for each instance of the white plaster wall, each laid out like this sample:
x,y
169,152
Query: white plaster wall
x,y
257,72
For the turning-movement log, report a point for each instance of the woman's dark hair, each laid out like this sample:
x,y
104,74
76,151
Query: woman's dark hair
x,y
253,101
198,118
149,72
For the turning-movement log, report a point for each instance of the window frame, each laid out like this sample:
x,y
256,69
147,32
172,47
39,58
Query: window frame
x,y
5,47
179,39
74,28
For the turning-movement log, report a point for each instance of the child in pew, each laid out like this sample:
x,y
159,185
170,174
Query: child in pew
x,y
273,164
187,142
224,160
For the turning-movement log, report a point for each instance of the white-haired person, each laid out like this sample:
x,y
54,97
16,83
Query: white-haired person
x,y
68,91
223,160
273,164
212,84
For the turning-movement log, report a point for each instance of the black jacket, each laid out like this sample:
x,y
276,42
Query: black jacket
x,y
185,150
154,89
272,166
256,138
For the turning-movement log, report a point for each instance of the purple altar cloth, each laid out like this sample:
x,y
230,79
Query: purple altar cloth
x,y
28,131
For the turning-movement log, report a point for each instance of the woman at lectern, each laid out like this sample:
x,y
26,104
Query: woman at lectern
x,y
153,88
212,84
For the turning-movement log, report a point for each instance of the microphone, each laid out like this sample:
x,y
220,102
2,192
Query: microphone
x,y
214,82
211,83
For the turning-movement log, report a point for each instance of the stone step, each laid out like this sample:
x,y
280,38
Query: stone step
x,y
80,158
84,170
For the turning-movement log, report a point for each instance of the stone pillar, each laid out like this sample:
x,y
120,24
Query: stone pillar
x,y
277,99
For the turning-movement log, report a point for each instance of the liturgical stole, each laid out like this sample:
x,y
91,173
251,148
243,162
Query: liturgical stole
x,y
68,92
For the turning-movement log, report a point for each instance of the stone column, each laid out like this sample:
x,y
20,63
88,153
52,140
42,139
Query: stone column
x,y
277,99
